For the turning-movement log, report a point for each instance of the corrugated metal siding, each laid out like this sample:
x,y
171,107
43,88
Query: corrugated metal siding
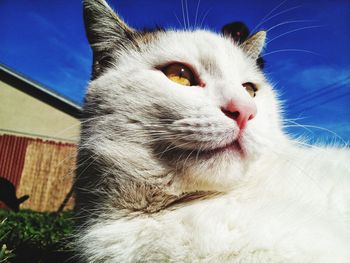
x,y
43,169
47,175
12,155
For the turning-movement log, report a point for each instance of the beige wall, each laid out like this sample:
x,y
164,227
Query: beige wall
x,y
26,115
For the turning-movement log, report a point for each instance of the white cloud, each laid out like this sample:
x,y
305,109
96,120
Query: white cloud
x,y
317,77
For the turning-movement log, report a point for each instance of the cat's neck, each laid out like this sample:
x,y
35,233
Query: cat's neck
x,y
160,198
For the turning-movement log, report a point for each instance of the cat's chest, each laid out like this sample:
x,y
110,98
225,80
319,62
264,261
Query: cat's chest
x,y
259,225
231,228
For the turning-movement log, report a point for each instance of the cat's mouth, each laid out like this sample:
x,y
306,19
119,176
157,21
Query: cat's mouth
x,y
234,147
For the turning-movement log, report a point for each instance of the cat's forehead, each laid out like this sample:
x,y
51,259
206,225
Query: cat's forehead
x,y
210,51
195,44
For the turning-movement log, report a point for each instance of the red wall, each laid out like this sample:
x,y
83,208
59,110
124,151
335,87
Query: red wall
x,y
12,154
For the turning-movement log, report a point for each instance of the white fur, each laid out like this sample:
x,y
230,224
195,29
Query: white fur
x,y
280,203
296,210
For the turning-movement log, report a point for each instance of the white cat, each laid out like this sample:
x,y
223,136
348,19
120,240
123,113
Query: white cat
x,y
183,158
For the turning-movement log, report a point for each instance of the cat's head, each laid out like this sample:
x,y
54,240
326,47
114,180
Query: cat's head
x,y
171,111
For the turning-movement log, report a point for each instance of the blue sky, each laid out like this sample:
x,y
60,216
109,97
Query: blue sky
x,y
310,65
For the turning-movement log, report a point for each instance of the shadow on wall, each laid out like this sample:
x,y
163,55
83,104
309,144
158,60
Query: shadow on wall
x,y
43,169
8,195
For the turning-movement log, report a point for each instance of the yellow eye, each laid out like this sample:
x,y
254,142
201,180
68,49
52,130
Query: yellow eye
x,y
180,74
250,88
179,79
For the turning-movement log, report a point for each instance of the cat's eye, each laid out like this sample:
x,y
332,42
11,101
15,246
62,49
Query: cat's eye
x,y
250,88
180,74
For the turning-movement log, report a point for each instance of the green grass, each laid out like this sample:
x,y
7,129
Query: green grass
x,y
29,236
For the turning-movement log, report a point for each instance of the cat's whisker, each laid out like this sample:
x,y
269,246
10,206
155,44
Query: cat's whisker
x,y
178,20
298,125
327,100
178,161
93,156
292,31
334,87
70,156
187,15
278,14
170,147
269,13
188,156
302,169
309,145
173,146
291,50
183,14
204,17
287,23
295,119
73,137
306,127
199,150
85,161
196,16
66,129
63,162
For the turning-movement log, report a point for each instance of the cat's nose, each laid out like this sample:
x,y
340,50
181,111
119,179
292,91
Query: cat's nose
x,y
240,112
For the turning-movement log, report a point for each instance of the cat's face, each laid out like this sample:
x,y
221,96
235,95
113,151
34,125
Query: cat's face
x,y
186,110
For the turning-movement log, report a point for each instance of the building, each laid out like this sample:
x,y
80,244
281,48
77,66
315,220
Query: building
x,y
39,130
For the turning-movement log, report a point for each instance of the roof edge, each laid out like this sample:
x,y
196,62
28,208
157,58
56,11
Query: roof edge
x,y
39,91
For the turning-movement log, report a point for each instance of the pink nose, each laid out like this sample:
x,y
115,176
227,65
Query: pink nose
x,y
241,113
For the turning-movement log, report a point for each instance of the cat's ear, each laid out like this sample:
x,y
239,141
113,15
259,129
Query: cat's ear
x,y
106,31
254,44
237,31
